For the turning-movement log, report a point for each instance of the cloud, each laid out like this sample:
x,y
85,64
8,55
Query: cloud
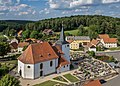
x,y
44,11
23,13
9,2
14,7
72,4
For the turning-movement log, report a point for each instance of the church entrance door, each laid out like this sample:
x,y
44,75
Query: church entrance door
x,y
41,73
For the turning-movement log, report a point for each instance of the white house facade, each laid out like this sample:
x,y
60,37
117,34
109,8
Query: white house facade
x,y
107,41
21,45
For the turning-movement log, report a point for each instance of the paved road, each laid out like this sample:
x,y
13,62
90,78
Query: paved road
x,y
115,81
115,54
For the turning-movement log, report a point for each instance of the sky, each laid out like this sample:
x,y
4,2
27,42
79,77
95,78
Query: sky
x,y
43,9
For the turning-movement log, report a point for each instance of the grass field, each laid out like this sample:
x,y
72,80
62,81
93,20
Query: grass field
x,y
73,32
116,48
71,78
60,78
49,83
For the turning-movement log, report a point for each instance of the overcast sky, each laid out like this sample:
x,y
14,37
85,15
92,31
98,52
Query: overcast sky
x,y
42,9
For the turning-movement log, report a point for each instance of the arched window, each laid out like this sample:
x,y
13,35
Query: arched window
x,y
41,66
51,63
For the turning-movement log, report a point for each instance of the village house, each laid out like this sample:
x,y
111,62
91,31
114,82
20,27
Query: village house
x,y
19,34
40,59
13,46
93,45
31,40
14,40
48,32
107,41
21,45
77,41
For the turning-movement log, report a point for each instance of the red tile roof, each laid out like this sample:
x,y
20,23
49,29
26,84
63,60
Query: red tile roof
x,y
91,45
58,50
38,52
93,83
31,39
22,44
20,32
70,41
47,30
62,62
107,39
95,42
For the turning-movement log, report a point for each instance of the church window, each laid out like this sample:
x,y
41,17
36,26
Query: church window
x,y
28,66
67,45
41,66
64,66
51,63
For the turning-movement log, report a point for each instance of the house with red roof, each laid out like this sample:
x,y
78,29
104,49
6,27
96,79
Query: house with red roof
x,y
93,44
48,32
40,59
107,41
19,34
21,45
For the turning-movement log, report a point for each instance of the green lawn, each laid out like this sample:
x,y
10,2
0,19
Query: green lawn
x,y
60,78
9,64
71,78
73,32
116,48
49,83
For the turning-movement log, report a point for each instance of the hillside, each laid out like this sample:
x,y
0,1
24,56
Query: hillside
x,y
74,25
12,24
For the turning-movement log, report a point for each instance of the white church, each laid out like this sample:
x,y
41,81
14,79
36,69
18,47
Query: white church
x,y
43,58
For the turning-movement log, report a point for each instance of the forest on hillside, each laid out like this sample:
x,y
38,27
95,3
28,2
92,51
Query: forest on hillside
x,y
90,25
12,26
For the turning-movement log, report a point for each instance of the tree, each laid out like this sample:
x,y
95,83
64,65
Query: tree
x,y
3,39
3,70
4,48
81,30
34,34
26,34
12,32
91,53
8,80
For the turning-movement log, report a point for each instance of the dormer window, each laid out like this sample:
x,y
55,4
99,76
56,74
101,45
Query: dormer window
x,y
49,54
40,55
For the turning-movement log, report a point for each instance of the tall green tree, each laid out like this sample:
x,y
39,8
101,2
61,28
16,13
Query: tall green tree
x,y
26,34
8,80
80,30
3,39
4,48
34,34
